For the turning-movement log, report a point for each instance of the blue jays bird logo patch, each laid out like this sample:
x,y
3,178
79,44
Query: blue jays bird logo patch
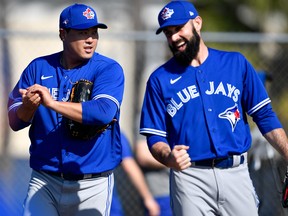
x,y
89,14
232,114
166,13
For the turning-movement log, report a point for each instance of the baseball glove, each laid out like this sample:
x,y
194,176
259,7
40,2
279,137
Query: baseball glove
x,y
81,92
285,191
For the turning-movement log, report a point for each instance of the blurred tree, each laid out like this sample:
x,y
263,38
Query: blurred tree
x,y
244,15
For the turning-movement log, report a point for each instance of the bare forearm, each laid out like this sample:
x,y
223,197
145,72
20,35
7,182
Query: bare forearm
x,y
25,114
68,109
278,139
144,156
136,176
161,152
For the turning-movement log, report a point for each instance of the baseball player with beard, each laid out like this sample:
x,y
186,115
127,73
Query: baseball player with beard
x,y
194,117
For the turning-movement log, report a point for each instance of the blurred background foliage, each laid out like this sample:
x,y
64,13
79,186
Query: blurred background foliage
x,y
244,15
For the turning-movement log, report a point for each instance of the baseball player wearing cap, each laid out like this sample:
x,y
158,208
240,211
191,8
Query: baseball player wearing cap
x,y
194,117
70,176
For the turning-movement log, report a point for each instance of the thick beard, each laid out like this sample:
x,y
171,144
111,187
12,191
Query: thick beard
x,y
192,48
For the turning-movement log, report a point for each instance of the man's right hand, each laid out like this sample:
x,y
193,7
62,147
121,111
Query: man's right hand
x,y
179,158
30,103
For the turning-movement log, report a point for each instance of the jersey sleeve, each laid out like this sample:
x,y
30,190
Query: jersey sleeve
x,y
152,120
257,102
107,93
109,83
15,98
255,95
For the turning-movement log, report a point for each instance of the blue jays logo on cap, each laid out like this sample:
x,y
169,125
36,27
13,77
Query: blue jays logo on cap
x,y
79,16
176,13
89,13
166,13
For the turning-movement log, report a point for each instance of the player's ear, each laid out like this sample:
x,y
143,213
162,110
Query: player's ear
x,y
62,34
197,22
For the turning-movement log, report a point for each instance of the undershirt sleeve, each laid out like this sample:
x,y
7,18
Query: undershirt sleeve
x,y
98,112
151,140
266,119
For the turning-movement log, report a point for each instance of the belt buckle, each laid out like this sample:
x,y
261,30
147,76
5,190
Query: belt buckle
x,y
87,176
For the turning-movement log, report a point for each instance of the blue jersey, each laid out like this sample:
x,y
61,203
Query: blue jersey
x,y
205,107
51,148
126,148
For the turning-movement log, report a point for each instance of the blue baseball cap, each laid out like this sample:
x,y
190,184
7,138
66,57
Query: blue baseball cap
x,y
79,16
176,13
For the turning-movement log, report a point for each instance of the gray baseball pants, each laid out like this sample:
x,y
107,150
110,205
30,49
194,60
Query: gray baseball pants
x,y
52,196
203,191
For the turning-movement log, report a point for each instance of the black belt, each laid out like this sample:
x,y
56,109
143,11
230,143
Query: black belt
x,y
77,177
228,162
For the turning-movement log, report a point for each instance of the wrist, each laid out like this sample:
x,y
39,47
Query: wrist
x,y
25,114
162,152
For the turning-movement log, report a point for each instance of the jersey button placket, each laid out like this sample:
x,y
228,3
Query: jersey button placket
x,y
201,75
